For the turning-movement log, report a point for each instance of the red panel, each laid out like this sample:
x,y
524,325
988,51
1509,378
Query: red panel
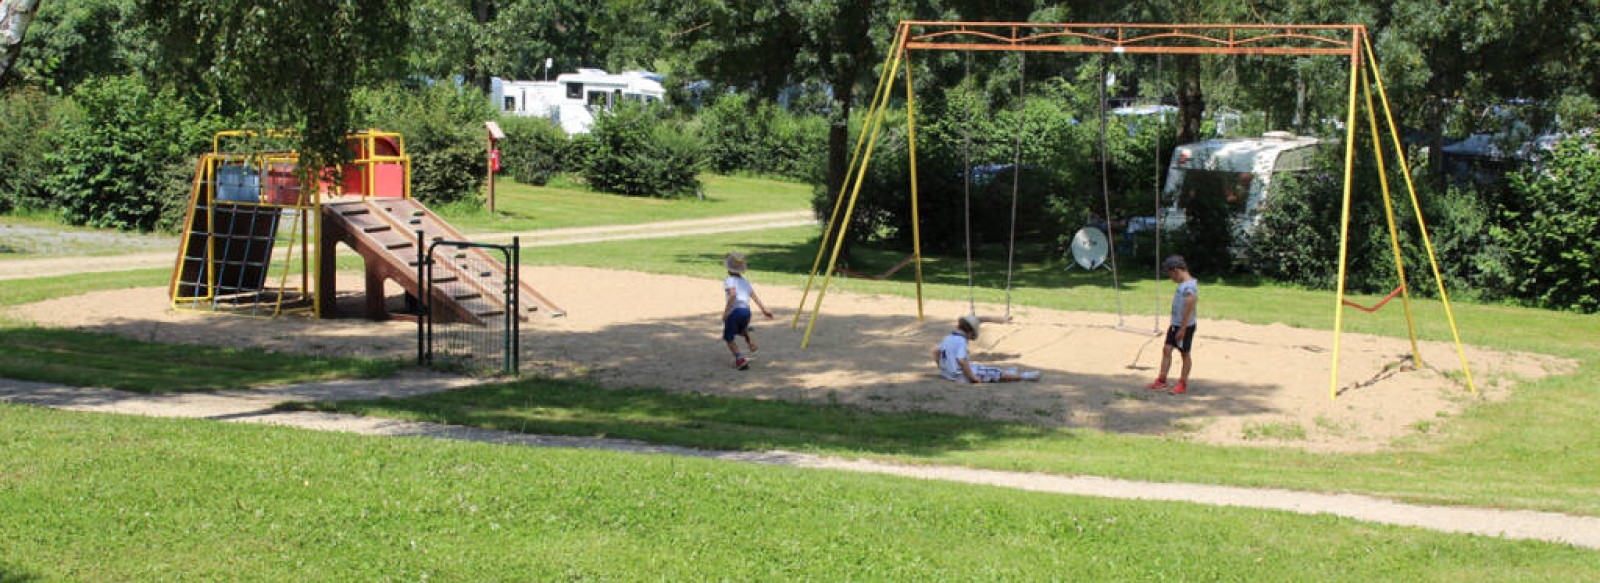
x,y
389,180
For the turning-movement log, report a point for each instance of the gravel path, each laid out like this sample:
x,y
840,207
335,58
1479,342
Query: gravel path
x,y
255,406
56,266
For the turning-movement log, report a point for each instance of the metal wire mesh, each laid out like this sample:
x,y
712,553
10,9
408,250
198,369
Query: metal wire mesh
x,y
470,319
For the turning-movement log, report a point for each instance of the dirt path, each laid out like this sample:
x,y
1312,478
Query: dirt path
x,y
68,265
255,406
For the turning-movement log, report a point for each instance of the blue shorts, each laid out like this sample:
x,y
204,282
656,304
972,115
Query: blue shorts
x,y
737,324
1188,339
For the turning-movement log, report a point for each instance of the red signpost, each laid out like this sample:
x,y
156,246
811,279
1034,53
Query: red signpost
x,y
494,157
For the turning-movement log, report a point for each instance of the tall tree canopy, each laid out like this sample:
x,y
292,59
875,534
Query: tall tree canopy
x,y
294,61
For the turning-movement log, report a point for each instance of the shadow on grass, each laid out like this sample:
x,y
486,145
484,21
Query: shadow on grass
x,y
87,359
10,574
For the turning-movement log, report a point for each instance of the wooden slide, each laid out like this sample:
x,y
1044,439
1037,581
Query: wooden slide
x,y
384,232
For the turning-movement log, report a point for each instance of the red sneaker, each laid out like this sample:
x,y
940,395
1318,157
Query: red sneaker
x,y
741,363
1159,385
1179,389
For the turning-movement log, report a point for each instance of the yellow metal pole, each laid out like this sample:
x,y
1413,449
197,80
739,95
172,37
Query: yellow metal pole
x,y
188,232
1388,212
916,219
884,83
1416,207
873,127
1344,221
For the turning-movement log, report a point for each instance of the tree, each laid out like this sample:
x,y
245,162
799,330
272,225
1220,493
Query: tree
x,y
1549,231
73,41
765,46
295,62
1447,60
15,15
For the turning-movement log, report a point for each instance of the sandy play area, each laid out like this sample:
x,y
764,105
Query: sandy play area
x,y
1263,385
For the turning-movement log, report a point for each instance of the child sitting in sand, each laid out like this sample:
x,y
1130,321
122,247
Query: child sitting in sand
x,y
951,356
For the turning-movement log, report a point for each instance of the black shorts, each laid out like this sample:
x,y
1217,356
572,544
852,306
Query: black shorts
x,y
1188,339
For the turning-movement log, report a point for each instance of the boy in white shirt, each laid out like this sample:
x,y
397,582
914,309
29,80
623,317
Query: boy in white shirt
x,y
951,356
736,313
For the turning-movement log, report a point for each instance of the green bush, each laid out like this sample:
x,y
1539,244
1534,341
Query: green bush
x,y
1297,239
1056,185
796,147
534,151
1549,229
111,164
741,134
444,135
26,125
630,151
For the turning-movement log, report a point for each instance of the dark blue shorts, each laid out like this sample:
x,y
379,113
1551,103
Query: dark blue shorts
x,y
737,324
1188,339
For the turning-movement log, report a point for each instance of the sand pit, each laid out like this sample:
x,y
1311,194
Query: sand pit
x,y
1252,384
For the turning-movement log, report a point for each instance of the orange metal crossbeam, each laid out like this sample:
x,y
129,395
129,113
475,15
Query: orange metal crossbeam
x,y
1199,39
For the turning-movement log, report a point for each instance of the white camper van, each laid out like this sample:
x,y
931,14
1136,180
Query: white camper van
x,y
1243,170
573,98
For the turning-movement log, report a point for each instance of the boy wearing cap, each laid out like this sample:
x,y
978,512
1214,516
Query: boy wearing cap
x,y
951,356
736,313
1180,333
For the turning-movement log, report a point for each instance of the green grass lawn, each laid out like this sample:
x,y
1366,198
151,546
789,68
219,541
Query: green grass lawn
x,y
93,497
105,497
519,207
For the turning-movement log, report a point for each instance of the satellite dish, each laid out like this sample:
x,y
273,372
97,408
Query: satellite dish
x,y
1089,248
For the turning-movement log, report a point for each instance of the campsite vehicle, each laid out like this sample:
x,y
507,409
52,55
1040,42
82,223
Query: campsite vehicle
x,y
1244,171
572,100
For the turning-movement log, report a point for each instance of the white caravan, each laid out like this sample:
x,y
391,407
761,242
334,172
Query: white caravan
x,y
573,99
1241,170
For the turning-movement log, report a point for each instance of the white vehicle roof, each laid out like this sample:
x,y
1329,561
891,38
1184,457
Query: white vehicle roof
x,y
1241,154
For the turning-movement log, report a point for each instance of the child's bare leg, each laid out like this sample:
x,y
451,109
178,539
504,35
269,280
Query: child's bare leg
x,y
1183,373
734,348
1166,361
750,343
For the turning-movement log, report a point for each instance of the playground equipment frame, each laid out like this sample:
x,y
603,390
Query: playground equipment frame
x,y
1351,41
305,210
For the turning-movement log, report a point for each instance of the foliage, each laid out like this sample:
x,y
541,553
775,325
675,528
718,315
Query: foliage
x,y
26,126
1550,229
1297,238
631,151
110,168
76,41
295,62
444,135
1056,187
534,149
741,134
1206,239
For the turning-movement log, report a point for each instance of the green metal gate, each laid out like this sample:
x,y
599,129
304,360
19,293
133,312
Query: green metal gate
x,y
479,274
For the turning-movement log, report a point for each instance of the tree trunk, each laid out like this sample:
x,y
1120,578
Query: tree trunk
x,y
15,15
477,74
839,159
1191,102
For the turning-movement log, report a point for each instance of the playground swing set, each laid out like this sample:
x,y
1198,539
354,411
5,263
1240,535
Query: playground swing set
x,y
261,240
1350,41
